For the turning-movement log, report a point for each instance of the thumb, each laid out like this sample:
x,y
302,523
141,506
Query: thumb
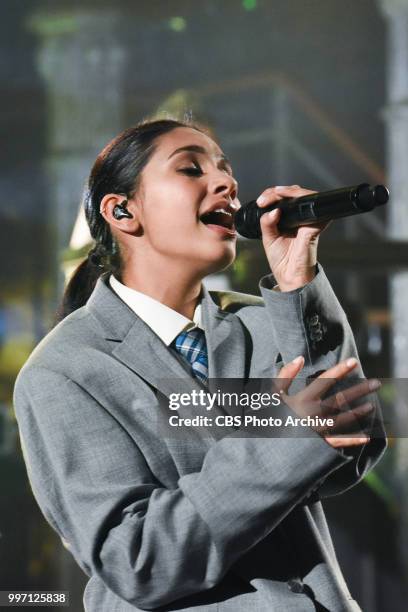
x,y
288,372
269,225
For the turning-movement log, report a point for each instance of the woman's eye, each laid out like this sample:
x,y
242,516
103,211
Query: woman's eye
x,y
192,171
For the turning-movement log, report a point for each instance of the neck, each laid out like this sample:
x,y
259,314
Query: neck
x,y
172,286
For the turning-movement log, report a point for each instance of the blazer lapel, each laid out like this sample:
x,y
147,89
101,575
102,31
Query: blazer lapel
x,y
144,352
225,340
226,352
138,347
134,344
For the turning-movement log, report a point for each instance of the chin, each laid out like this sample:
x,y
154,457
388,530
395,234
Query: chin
x,y
223,261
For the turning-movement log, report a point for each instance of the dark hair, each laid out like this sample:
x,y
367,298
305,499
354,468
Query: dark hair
x,y
117,169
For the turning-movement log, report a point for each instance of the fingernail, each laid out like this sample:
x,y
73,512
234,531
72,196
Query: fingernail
x,y
298,360
261,200
365,409
280,187
272,215
351,362
374,384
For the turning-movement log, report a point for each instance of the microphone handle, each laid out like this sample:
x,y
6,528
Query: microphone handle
x,y
313,208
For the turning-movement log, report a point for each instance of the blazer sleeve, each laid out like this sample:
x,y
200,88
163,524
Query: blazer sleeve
x,y
310,321
149,544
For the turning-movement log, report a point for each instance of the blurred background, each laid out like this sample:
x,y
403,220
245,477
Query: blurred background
x,y
313,92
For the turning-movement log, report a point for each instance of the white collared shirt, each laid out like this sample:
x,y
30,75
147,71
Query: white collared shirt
x,y
164,321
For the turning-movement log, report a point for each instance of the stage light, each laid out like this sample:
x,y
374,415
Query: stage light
x,y
178,24
249,5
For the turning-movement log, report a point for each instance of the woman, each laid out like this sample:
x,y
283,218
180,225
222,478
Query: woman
x,y
205,523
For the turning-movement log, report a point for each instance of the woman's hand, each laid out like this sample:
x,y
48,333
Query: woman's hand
x,y
292,256
308,402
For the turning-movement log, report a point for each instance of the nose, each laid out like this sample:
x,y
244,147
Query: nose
x,y
224,184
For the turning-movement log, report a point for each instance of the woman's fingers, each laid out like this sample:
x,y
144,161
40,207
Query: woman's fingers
x,y
316,389
288,372
351,422
273,195
325,381
343,441
347,429
342,399
269,225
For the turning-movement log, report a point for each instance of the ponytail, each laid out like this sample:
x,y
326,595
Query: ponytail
x,y
82,282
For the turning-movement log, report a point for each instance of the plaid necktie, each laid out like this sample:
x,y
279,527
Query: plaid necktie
x,y
193,347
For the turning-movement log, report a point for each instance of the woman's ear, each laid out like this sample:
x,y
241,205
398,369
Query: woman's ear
x,y
121,213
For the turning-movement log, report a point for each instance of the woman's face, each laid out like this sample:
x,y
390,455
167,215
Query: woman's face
x,y
185,181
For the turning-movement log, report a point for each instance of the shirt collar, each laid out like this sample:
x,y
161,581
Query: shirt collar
x,y
164,321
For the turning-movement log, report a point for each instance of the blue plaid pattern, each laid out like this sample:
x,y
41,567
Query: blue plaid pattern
x,y
193,347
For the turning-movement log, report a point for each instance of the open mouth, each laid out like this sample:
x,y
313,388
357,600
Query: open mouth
x,y
218,217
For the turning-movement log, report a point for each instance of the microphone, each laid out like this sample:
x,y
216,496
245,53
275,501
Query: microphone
x,y
313,208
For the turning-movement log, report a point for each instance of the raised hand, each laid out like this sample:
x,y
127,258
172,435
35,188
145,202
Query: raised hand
x,y
292,255
308,402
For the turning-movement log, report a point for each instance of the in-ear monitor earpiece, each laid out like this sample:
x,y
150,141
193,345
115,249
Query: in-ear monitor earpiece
x,y
120,212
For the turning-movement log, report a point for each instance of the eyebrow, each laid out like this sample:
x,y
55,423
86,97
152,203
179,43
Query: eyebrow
x,y
199,149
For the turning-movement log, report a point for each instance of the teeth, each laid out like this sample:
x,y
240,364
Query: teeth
x,y
222,210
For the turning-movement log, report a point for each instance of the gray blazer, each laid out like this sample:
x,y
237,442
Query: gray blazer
x,y
229,525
